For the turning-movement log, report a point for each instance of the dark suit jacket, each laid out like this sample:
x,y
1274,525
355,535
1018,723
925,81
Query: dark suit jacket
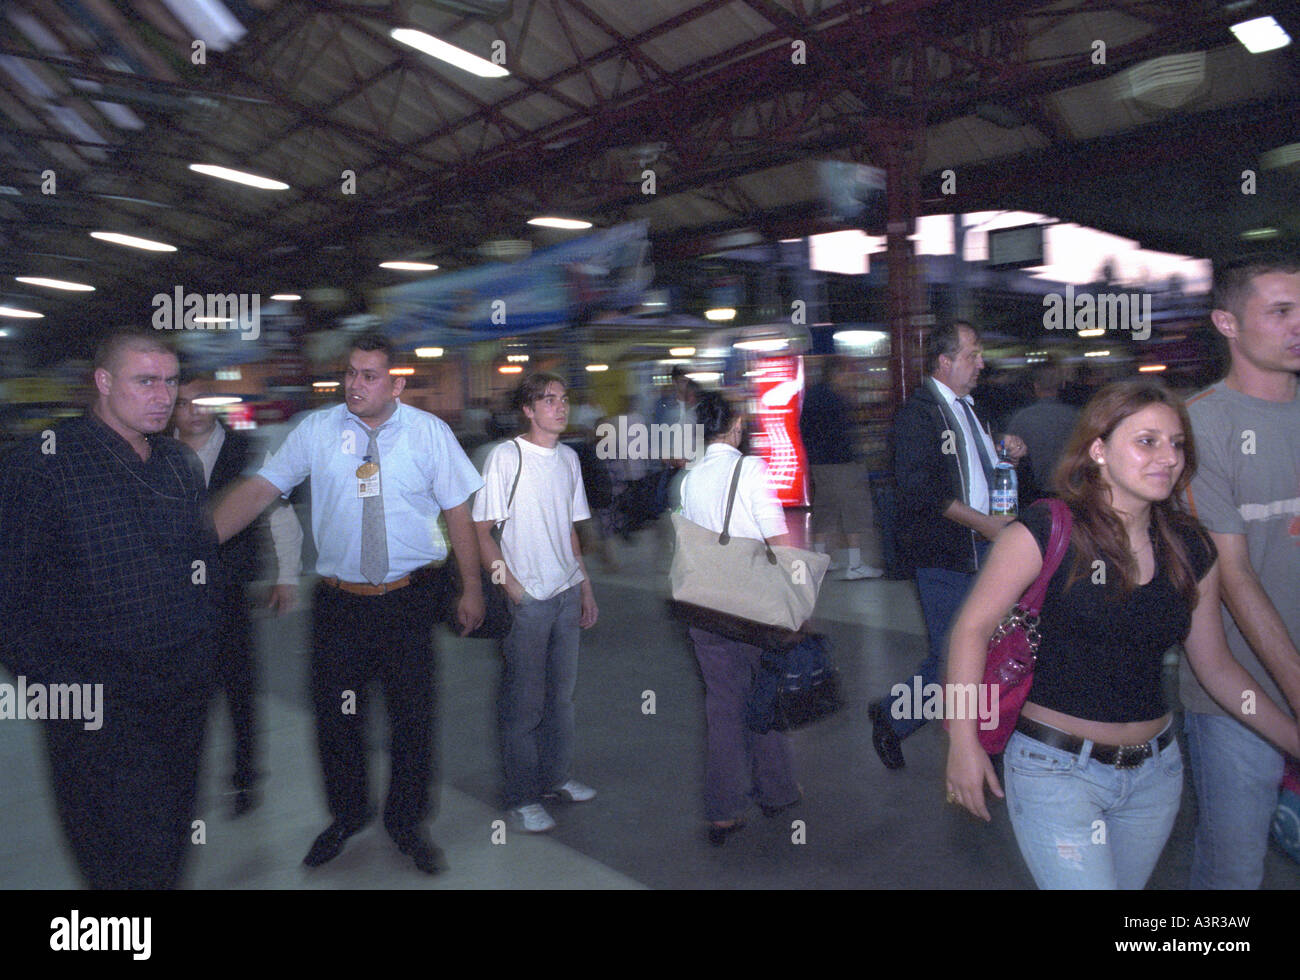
x,y
241,555
929,479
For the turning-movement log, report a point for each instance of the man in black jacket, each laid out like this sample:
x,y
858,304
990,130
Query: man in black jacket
x,y
943,462
105,557
226,456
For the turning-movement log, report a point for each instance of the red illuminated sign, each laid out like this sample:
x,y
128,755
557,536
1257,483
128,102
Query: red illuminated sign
x,y
778,385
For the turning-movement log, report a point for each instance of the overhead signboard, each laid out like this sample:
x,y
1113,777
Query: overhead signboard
x,y
1017,247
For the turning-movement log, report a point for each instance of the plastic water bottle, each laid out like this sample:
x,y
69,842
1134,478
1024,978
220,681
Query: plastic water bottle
x,y
1004,495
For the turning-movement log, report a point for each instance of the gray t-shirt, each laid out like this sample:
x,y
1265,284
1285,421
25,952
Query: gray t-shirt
x,y
1248,482
1045,426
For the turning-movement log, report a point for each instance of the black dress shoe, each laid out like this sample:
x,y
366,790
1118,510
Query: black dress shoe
x,y
772,811
330,843
883,737
416,843
718,835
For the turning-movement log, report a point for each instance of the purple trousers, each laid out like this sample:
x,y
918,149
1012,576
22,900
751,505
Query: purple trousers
x,y
741,764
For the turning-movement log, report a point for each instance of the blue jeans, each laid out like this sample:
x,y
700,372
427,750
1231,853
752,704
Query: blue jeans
x,y
1236,774
535,710
941,593
1081,824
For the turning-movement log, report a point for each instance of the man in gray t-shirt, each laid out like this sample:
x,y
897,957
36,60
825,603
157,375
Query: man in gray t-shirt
x,y
1045,425
1247,494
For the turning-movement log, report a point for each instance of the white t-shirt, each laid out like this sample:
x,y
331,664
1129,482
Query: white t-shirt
x,y
537,539
756,514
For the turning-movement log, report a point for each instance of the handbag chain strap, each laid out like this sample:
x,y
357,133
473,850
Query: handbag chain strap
x,y
1025,614
725,536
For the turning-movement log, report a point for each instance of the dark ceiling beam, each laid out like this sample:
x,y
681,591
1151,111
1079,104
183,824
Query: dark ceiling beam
x,y
99,73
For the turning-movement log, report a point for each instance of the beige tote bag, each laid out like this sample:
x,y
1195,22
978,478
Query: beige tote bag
x,y
743,577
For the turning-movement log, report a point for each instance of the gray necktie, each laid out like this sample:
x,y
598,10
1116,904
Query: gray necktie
x,y
374,536
977,433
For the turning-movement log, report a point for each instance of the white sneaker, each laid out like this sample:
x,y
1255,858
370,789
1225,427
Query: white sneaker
x,y
574,792
533,818
861,571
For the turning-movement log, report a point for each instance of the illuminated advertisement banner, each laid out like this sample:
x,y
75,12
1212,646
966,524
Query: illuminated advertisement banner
x,y
778,386
607,270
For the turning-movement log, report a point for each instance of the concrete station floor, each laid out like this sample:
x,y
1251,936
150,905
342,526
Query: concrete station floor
x,y
862,826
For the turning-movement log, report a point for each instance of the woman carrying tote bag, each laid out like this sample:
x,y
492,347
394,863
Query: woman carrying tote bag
x,y
740,764
1093,771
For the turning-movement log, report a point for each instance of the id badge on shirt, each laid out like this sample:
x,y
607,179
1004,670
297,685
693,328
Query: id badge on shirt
x,y
368,480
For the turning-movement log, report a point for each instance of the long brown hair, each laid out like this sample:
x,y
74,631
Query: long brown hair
x,y
1098,530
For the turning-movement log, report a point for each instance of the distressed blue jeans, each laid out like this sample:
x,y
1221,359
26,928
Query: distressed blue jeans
x,y
1081,824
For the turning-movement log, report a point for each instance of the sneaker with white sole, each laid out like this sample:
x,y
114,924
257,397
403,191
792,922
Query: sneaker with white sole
x,y
574,792
533,818
861,571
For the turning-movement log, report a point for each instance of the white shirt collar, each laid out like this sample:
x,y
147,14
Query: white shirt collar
x,y
951,395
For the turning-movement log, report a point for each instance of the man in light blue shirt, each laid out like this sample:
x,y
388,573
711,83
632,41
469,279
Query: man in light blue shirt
x,y
381,474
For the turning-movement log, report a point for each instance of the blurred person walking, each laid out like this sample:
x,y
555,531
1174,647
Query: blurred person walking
x,y
841,506
1045,426
224,456
740,764
943,463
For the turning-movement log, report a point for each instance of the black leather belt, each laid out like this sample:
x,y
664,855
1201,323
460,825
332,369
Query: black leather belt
x,y
1119,756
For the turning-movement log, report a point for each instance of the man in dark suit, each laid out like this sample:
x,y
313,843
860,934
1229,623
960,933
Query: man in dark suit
x,y
943,462
227,456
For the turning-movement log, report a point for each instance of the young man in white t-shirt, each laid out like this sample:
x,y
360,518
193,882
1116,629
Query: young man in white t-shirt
x,y
550,595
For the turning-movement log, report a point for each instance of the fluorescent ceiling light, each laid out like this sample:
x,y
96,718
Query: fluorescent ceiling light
x,y
212,319
510,369
860,338
597,367
21,314
704,375
428,352
324,384
682,351
409,266
216,401
1260,234
1096,353
133,200
239,177
401,372
572,224
72,287
1261,34
286,297
1151,368
1094,332
210,20
767,344
722,313
130,241
1282,156
449,53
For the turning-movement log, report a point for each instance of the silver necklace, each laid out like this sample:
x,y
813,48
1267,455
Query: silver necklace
x,y
112,451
